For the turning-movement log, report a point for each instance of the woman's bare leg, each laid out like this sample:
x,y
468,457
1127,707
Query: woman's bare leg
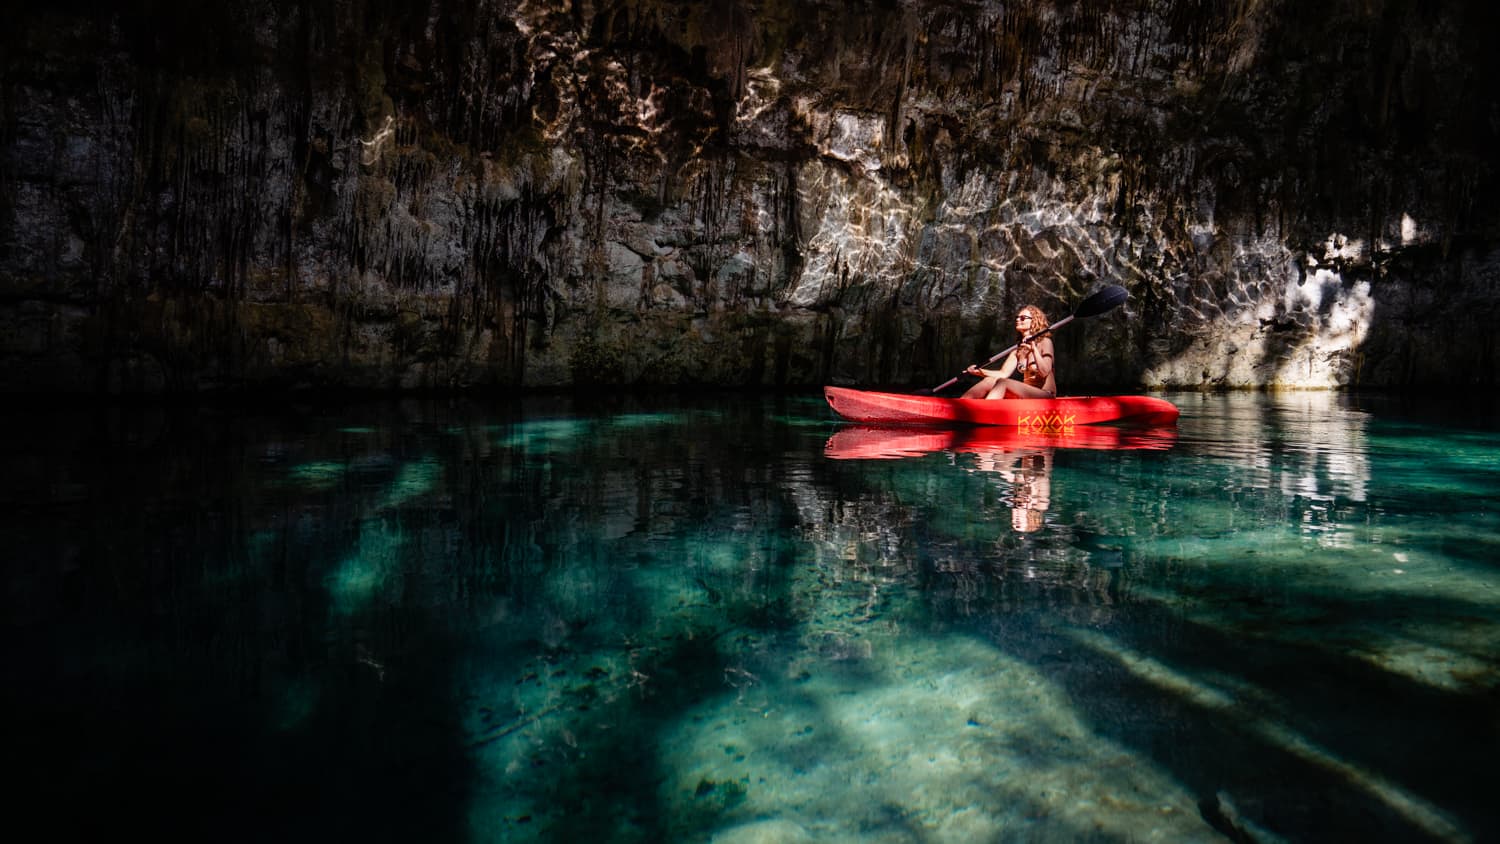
x,y
982,389
1002,388
1020,390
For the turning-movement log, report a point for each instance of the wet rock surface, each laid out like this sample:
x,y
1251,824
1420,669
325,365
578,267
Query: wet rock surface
x,y
497,194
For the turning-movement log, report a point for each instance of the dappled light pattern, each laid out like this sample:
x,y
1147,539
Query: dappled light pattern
x,y
860,238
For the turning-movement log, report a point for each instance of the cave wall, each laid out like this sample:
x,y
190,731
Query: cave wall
x,y
494,193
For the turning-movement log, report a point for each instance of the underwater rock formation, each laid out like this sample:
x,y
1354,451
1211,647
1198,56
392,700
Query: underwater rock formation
x,y
498,193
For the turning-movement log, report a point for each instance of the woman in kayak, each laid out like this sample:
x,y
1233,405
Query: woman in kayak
x,y
1033,360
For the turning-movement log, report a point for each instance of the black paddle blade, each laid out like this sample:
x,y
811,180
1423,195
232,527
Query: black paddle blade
x,y
1107,299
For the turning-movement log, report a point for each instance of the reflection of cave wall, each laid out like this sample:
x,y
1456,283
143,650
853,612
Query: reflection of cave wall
x,y
734,192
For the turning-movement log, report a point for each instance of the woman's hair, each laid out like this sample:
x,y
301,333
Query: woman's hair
x,y
1039,319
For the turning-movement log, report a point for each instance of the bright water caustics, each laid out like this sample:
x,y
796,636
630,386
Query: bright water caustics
x,y
741,619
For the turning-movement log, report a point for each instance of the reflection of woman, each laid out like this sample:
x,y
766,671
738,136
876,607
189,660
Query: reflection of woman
x,y
1032,359
1031,491
1030,475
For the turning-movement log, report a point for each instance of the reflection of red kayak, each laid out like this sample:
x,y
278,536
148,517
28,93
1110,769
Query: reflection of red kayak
x,y
1033,415
861,442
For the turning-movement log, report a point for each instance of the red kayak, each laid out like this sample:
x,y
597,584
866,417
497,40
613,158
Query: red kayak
x,y
1032,415
860,442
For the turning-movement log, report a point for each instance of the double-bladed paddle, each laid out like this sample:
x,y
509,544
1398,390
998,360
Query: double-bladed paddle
x,y
1105,299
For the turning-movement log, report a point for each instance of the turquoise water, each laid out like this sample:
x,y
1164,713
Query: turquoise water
x,y
738,619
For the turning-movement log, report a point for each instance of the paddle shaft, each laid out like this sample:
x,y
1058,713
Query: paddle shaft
x,y
1001,356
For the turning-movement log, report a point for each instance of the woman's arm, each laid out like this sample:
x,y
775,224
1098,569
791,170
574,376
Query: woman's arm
x,y
1045,359
1006,368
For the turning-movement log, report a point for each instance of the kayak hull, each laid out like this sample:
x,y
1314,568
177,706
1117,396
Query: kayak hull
x,y
1033,415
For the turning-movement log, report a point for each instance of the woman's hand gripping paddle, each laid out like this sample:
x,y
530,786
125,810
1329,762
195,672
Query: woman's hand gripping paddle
x,y
1106,299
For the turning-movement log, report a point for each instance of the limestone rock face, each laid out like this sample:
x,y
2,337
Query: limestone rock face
x,y
452,194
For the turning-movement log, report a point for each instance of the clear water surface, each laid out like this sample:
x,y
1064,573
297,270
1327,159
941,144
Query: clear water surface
x,y
738,619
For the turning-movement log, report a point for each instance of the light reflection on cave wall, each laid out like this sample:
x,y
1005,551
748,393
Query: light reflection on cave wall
x,y
744,192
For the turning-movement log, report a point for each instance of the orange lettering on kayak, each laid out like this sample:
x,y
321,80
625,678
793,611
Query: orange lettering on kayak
x,y
1052,422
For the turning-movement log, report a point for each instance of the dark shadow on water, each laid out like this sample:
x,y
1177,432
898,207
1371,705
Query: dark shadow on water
x,y
170,682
